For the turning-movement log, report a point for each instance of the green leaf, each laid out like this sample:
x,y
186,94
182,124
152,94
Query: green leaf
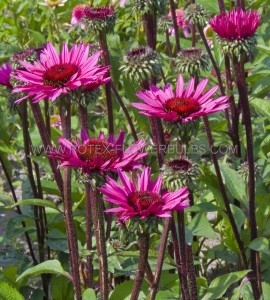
x,y
7,292
203,207
260,244
39,202
49,266
123,291
234,182
62,288
220,284
262,106
200,226
89,294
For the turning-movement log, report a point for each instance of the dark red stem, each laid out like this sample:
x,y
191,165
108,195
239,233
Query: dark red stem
x,y
175,26
243,98
144,248
223,191
18,209
179,262
65,116
131,125
98,220
162,249
192,283
217,71
106,60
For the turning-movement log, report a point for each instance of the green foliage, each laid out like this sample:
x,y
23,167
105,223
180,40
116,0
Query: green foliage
x,y
50,266
220,284
8,292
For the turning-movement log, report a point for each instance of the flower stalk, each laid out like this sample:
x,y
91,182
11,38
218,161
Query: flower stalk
x,y
89,233
243,98
175,26
106,60
223,192
88,211
162,249
180,266
98,220
218,74
18,210
144,248
65,116
191,273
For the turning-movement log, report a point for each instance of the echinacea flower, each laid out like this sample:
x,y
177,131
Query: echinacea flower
x,y
100,19
237,24
142,197
78,14
140,63
53,74
98,154
236,30
182,23
184,105
5,71
178,172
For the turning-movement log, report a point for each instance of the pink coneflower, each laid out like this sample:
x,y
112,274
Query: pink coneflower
x,y
98,154
5,71
236,24
143,197
54,74
181,22
78,14
102,13
184,105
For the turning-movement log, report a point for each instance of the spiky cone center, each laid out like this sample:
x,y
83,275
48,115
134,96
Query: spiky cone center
x,y
99,13
179,165
182,106
59,74
165,23
196,14
140,63
192,61
237,48
96,149
143,200
100,19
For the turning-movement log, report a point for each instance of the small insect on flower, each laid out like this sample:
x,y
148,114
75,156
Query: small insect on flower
x,y
142,197
182,106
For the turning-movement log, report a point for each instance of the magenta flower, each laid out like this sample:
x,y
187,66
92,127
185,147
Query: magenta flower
x,y
98,154
102,13
5,71
78,14
184,105
142,198
236,24
54,74
183,24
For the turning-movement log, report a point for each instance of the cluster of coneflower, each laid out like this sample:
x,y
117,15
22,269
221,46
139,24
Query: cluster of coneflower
x,y
102,164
